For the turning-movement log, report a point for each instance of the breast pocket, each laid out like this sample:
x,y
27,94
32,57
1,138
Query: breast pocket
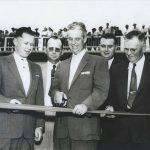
x,y
85,81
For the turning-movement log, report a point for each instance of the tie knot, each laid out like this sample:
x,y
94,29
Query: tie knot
x,y
54,66
134,65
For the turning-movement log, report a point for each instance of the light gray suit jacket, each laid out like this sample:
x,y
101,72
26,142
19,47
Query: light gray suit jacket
x,y
14,125
90,86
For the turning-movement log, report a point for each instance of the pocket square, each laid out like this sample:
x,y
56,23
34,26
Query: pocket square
x,y
86,72
37,75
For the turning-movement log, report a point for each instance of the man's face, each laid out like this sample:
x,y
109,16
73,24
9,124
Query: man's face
x,y
76,40
134,49
24,45
107,48
54,49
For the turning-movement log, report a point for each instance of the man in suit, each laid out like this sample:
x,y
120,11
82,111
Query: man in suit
x,y
129,92
54,52
84,79
108,45
20,83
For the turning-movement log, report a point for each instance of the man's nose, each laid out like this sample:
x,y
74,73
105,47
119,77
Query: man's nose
x,y
29,46
106,48
129,52
73,41
54,51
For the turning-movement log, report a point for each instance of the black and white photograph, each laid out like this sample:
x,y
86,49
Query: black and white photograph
x,y
74,75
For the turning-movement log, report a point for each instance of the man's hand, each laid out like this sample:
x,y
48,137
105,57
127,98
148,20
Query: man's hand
x,y
108,108
58,97
38,134
15,101
80,109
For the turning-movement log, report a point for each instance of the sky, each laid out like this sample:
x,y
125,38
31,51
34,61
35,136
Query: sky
x,y
59,13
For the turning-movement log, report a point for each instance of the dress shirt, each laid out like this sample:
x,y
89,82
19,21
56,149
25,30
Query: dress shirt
x,y
24,71
138,70
110,62
75,61
47,98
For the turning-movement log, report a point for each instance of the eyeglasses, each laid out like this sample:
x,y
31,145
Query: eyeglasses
x,y
51,49
132,50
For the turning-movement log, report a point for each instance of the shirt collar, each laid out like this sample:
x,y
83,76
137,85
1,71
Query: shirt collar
x,y
18,58
51,64
110,61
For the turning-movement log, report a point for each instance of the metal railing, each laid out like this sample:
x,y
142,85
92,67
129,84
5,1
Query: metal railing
x,y
92,44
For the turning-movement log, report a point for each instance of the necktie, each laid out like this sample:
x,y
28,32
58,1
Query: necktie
x,y
52,84
133,87
53,71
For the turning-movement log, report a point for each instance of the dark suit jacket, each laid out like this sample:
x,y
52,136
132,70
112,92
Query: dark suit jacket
x,y
106,123
89,86
14,125
130,128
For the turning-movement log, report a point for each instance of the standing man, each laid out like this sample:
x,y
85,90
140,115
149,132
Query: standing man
x,y
20,83
54,52
108,45
129,92
84,79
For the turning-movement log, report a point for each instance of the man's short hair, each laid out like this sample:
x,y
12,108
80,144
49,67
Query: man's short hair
x,y
22,30
135,33
78,25
54,38
109,36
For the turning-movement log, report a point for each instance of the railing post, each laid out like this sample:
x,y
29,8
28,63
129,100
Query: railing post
x,y
122,43
5,43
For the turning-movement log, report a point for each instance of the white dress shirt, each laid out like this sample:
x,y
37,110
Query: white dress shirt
x,y
24,71
47,98
110,62
138,69
75,61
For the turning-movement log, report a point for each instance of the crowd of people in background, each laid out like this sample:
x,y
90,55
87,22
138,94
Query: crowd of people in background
x,y
95,32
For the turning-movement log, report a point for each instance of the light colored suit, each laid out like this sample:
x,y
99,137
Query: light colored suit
x,y
90,86
14,125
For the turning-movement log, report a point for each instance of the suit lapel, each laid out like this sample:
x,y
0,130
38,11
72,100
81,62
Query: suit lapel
x,y
67,72
32,77
44,74
144,77
124,83
80,67
15,72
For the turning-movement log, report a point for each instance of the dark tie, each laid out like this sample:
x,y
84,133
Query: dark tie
x,y
53,72
52,83
133,87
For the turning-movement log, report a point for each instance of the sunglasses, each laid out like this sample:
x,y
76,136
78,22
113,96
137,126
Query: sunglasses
x,y
51,49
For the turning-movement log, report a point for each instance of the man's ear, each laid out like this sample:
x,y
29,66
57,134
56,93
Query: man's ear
x,y
15,41
144,47
85,39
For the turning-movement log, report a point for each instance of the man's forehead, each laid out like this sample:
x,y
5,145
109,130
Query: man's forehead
x,y
133,40
75,32
107,41
54,43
